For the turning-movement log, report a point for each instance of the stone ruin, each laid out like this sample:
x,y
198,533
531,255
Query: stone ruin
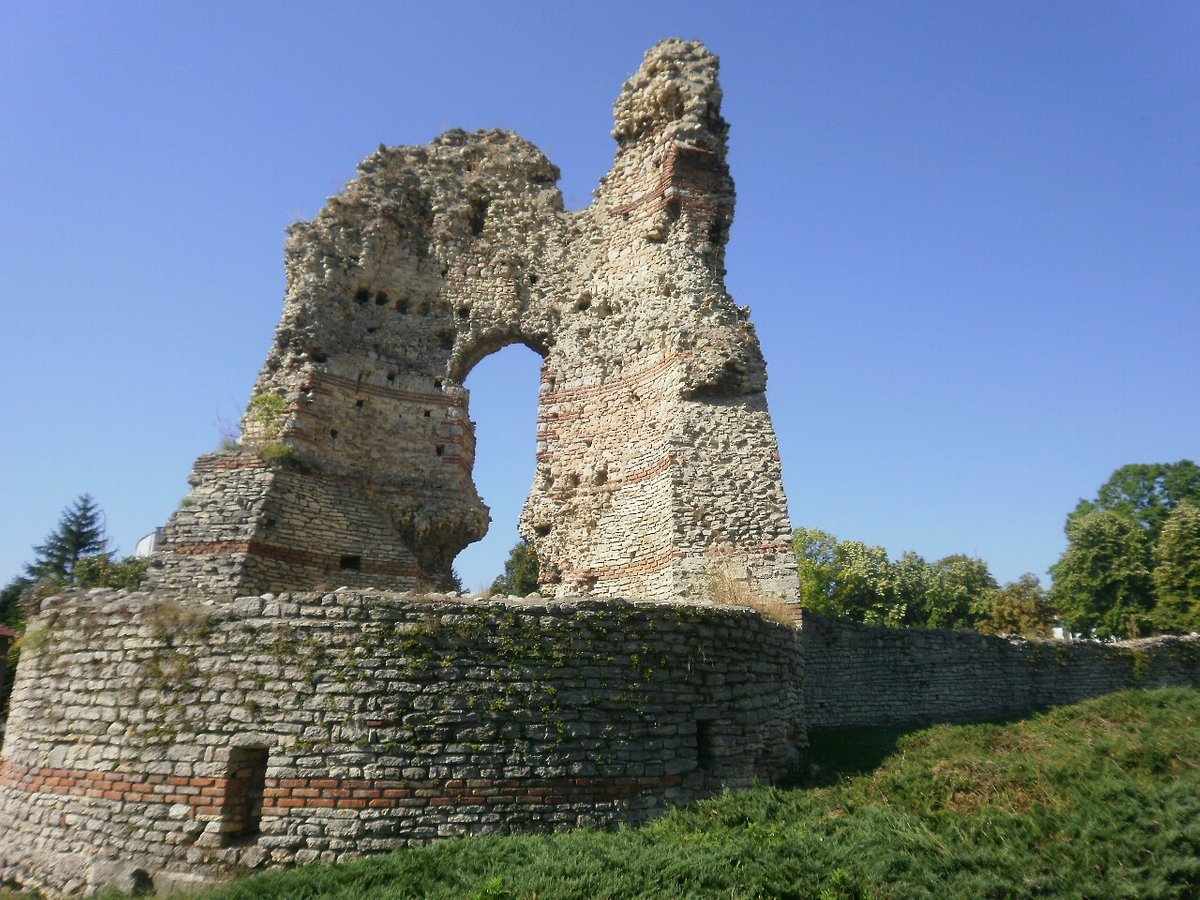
x,y
242,714
657,464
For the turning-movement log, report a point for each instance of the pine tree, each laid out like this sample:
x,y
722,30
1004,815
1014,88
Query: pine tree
x,y
80,533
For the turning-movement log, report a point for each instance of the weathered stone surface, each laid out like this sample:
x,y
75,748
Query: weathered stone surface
x,y
379,720
165,738
657,464
858,675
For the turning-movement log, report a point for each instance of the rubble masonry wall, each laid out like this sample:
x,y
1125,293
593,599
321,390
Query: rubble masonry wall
x,y
657,464
863,675
379,720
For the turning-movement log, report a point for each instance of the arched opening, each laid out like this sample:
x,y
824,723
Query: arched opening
x,y
504,406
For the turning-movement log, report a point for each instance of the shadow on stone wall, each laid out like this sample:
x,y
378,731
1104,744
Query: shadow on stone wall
x,y
868,675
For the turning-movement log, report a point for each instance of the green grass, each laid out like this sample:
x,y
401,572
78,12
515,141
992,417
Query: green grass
x,y
1096,800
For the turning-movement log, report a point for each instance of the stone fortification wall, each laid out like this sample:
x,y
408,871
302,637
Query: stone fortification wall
x,y
155,740
657,464
7,635
859,675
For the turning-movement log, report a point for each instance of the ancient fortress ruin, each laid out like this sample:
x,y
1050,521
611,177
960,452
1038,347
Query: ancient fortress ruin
x,y
657,465
290,689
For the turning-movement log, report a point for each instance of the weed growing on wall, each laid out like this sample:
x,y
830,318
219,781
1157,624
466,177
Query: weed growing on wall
x,y
269,412
279,454
725,585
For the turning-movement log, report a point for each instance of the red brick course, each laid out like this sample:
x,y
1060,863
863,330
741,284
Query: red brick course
x,y
206,796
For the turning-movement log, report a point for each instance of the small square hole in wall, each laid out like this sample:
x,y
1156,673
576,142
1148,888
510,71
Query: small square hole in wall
x,y
358,404
441,449
350,564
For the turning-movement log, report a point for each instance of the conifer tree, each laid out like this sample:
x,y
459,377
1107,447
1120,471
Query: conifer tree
x,y
80,533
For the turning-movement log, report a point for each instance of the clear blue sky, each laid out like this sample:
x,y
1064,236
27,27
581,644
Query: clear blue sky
x,y
969,234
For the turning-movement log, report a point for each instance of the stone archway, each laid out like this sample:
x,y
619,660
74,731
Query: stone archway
x,y
657,462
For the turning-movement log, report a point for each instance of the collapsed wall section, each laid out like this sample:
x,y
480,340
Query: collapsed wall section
x,y
863,675
657,466
155,741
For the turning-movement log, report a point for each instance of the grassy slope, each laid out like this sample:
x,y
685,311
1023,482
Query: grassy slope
x,y
1099,799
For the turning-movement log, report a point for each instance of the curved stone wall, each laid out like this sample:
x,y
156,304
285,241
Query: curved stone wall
x,y
159,741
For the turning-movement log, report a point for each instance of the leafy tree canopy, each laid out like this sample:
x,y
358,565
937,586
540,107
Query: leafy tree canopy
x,y
1020,607
853,580
11,613
845,578
1102,582
103,571
520,571
1145,493
1176,573
954,588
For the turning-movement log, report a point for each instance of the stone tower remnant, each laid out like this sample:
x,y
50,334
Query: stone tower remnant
x,y
657,465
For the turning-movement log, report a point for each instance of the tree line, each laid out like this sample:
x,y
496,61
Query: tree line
x,y
74,554
1131,568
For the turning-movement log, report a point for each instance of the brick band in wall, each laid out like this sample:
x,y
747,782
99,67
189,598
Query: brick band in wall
x,y
660,562
290,555
277,729
282,796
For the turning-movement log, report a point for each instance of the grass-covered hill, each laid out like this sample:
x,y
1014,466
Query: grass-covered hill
x,y
1096,800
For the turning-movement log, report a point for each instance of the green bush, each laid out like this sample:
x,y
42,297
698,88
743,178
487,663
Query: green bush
x,y
269,411
1099,799
279,453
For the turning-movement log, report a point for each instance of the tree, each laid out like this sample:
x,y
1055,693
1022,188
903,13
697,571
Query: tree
x,y
11,612
909,584
1176,573
864,589
1145,493
520,571
816,563
852,580
80,533
73,555
846,578
1102,582
1020,607
956,586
